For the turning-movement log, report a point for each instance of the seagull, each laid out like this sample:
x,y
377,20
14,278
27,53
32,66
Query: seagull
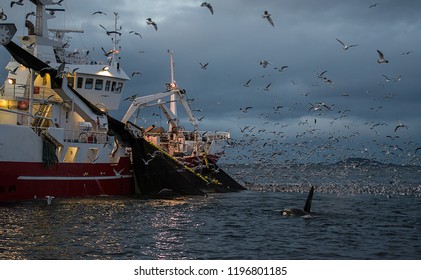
x,y
13,72
136,73
400,125
267,16
319,106
49,199
110,32
131,98
149,21
406,53
99,12
381,58
264,63
247,84
373,5
282,68
267,87
207,5
19,2
344,46
146,162
73,72
204,66
320,76
244,110
136,33
29,14
387,78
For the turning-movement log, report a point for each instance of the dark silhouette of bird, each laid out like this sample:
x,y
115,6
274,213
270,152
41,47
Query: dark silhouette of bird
x,y
266,15
204,66
19,2
135,33
99,13
29,14
400,125
381,58
207,5
110,32
247,84
149,21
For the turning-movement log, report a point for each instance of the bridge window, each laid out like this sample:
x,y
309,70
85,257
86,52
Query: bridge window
x,y
71,81
120,87
107,85
79,82
89,83
98,84
113,86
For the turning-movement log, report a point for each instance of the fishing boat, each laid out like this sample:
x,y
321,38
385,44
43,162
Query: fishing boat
x,y
53,141
188,146
57,136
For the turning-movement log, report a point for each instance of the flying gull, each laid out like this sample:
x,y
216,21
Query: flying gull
x,y
20,3
207,5
149,21
345,46
266,15
381,58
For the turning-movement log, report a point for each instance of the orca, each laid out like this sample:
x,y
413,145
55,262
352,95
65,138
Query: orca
x,y
300,212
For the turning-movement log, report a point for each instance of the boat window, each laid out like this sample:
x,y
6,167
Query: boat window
x,y
89,83
98,84
71,81
70,154
120,87
107,85
79,82
113,86
93,154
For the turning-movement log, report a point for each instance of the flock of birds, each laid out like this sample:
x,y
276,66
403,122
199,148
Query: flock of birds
x,y
269,141
267,144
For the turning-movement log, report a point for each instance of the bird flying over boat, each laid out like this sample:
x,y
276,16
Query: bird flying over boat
x,y
149,21
207,5
110,32
267,15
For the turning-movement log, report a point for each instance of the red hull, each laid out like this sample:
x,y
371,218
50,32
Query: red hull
x,y
24,181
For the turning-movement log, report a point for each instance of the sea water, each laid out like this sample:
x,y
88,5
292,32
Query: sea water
x,y
358,212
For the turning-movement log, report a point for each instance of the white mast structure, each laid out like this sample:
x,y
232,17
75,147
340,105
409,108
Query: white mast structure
x,y
173,85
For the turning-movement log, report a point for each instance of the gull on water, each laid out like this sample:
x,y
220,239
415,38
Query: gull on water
x,y
49,199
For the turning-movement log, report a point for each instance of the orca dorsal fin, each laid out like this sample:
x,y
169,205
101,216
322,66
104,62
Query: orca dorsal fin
x,y
307,206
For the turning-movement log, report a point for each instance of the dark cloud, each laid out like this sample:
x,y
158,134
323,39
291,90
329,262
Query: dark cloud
x,y
236,38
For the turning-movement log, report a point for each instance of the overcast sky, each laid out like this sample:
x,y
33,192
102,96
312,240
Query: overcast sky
x,y
365,106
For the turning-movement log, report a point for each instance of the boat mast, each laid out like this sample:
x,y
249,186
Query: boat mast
x,y
115,40
173,98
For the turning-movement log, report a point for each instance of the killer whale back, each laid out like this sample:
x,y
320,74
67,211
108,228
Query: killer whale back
x,y
307,206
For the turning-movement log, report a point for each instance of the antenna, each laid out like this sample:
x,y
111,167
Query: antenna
x,y
173,104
